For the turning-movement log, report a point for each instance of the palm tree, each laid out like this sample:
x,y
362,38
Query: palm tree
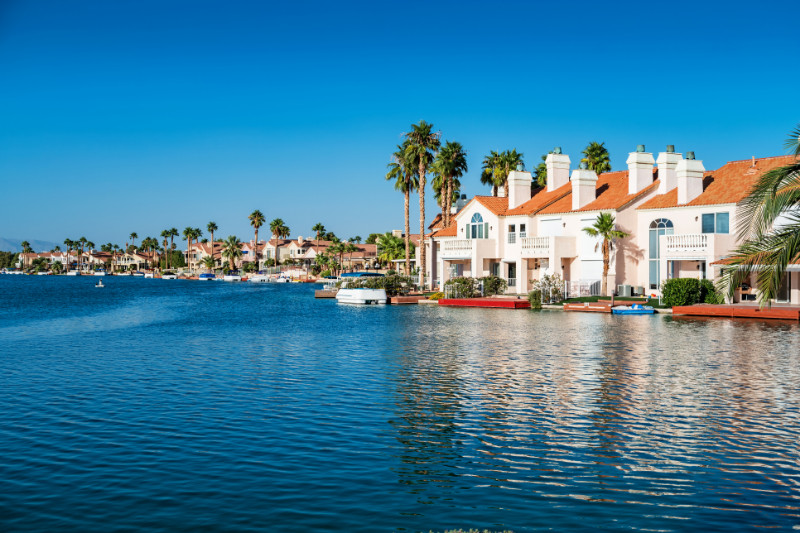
x,y
133,237
390,248
208,262
212,227
769,228
165,234
422,147
196,234
489,168
173,232
450,164
597,158
319,229
82,242
26,247
540,173
405,175
279,230
69,244
232,250
188,235
356,239
604,228
256,220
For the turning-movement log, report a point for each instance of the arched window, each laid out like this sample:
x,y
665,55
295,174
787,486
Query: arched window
x,y
658,227
477,228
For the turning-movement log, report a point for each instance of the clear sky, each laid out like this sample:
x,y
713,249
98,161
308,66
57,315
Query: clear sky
x,y
120,116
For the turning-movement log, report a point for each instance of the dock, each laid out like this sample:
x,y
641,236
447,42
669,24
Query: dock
x,y
776,312
321,293
589,307
497,303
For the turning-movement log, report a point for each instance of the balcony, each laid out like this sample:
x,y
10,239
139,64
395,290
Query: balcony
x,y
457,249
697,242
542,247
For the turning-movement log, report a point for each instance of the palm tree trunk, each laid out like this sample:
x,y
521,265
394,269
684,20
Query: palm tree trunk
x,y
408,230
421,248
449,201
606,260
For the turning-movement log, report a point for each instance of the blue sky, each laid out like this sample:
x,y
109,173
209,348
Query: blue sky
x,y
143,115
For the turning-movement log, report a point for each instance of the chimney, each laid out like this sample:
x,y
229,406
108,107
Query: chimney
x,y
557,165
690,178
640,169
519,188
300,240
584,183
667,161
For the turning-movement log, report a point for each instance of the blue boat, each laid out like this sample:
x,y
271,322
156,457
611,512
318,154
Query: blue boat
x,y
206,277
635,309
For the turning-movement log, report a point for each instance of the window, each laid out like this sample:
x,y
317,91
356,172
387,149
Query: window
x,y
716,223
659,227
522,233
512,234
477,228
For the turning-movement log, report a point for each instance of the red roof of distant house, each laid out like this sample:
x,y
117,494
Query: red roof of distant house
x,y
611,194
729,184
540,199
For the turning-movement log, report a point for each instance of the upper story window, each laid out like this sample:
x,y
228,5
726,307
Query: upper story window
x,y
512,233
477,228
716,223
522,232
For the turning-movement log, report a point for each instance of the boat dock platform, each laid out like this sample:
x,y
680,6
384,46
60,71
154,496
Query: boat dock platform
x,y
589,307
776,312
498,303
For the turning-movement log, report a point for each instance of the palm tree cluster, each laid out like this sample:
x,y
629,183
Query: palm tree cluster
x,y
769,228
497,166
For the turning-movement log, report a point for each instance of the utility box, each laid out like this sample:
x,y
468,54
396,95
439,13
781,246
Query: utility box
x,y
624,290
640,291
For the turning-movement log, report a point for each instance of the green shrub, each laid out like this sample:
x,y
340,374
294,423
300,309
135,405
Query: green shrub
x,y
535,298
493,285
461,287
325,273
689,291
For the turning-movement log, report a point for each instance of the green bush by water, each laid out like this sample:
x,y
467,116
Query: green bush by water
x,y
689,291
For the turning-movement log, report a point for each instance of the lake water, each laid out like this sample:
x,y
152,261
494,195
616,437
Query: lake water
x,y
155,405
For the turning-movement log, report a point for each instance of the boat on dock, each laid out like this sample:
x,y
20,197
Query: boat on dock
x,y
635,309
206,277
361,296
232,277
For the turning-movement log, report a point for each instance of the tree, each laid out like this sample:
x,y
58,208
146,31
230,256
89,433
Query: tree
x,y
232,250
133,237
372,238
769,228
604,228
596,157
173,232
279,230
404,172
256,220
82,242
509,160
188,235
165,235
390,248
356,239
450,164
319,229
196,234
423,144
489,170
540,172
208,262
69,244
26,247
212,227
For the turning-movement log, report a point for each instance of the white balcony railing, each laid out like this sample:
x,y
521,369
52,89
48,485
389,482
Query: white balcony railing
x,y
457,248
697,242
536,246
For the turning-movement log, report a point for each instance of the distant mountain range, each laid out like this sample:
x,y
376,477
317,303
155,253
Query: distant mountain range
x,y
14,245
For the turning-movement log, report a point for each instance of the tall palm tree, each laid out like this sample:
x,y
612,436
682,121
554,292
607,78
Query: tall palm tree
x,y
256,220
26,247
133,237
390,248
450,164
82,242
232,250
173,232
540,173
489,170
509,160
208,262
69,244
357,239
165,235
769,228
604,228
319,229
188,236
596,157
212,227
196,234
279,230
404,172
422,147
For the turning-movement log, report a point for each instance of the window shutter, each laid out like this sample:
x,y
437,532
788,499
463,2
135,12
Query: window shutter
x,y
468,230
485,230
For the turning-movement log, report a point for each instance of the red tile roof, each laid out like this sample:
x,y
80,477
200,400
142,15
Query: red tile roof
x,y
728,184
495,204
446,232
540,199
611,194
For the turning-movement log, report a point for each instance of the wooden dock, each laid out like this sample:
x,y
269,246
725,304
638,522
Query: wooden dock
x,y
776,312
589,307
325,294
496,303
407,299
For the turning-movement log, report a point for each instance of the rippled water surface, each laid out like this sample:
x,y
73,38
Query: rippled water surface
x,y
173,405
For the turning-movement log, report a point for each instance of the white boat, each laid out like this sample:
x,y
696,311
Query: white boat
x,y
149,275
281,279
99,284
73,273
99,273
258,278
169,276
361,296
207,276
43,273
232,277
138,274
